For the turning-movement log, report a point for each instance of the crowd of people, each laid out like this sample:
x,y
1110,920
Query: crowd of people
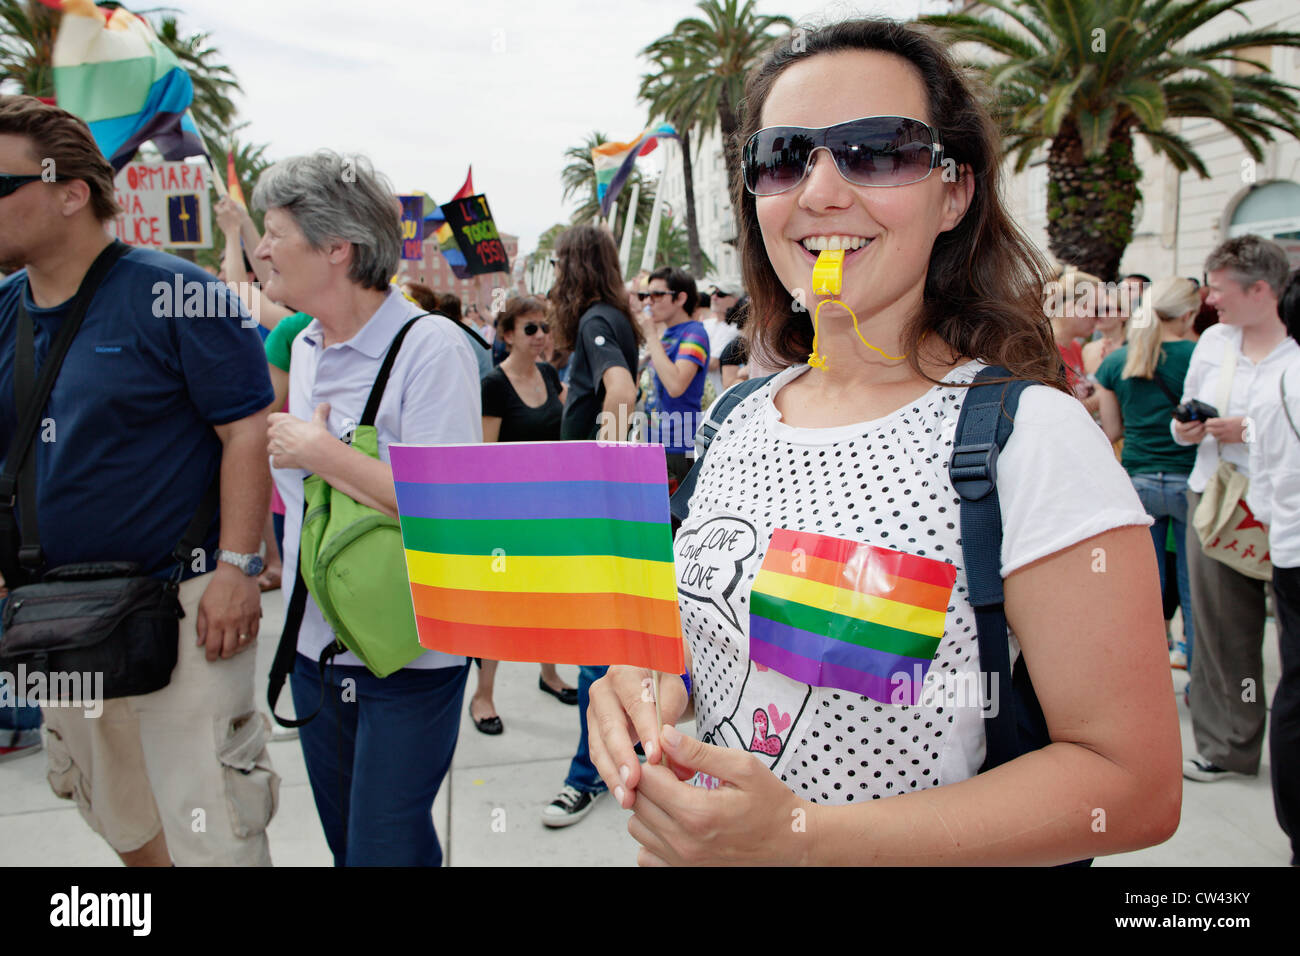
x,y
1136,413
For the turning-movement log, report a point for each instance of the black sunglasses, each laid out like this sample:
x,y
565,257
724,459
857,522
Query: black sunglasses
x,y
532,327
9,183
871,151
656,293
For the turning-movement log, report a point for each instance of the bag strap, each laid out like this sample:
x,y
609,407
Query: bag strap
x,y
985,424
1169,392
381,380
1226,374
30,396
708,430
1281,384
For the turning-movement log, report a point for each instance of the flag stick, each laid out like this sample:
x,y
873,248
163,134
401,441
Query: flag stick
x,y
659,720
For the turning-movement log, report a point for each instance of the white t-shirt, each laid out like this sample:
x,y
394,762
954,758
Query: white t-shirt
x,y
721,333
1251,384
1274,492
433,396
885,483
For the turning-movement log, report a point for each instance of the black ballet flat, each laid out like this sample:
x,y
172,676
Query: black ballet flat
x,y
567,696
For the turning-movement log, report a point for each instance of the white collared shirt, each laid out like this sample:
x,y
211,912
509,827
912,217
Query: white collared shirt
x,y
432,396
1251,383
1274,492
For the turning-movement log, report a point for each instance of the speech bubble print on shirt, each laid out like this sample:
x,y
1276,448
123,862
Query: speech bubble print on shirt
x,y
710,562
852,616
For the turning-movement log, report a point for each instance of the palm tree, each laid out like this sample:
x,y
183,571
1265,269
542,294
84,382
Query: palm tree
x,y
213,110
679,105
1085,76
710,56
27,33
579,181
673,249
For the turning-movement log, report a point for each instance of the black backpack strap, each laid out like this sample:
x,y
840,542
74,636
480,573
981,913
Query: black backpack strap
x,y
985,424
30,395
708,430
381,380
1169,392
482,342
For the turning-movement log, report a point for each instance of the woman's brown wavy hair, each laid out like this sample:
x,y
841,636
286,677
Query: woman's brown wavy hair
x,y
588,274
983,291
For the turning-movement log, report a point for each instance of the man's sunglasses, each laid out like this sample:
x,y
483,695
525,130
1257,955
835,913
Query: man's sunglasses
x,y
10,183
656,293
872,151
532,327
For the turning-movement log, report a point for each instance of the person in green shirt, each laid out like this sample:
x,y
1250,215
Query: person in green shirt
x,y
1139,386
279,343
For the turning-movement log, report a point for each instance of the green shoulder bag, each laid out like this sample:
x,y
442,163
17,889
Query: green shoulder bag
x,y
351,561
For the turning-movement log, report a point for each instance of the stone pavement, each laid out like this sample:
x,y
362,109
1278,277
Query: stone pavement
x,y
487,813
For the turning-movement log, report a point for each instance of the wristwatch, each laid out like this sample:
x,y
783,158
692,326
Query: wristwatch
x,y
250,564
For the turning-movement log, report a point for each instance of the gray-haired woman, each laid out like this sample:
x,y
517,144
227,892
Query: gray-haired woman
x,y
376,755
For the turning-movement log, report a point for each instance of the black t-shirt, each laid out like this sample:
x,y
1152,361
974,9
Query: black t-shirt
x,y
519,421
605,338
733,353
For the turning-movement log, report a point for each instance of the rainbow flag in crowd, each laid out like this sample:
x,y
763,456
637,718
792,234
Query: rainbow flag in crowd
x,y
115,74
836,613
435,224
541,551
614,162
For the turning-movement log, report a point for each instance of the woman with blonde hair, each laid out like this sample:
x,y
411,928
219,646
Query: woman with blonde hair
x,y
1138,387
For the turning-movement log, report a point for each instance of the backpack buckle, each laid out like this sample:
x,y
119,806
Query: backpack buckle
x,y
973,470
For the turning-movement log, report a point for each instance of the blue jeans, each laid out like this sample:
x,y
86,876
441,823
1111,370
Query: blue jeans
x,y
582,772
1163,495
376,755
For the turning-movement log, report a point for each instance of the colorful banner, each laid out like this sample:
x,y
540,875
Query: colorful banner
x,y
165,205
470,220
613,162
412,226
113,72
554,552
836,613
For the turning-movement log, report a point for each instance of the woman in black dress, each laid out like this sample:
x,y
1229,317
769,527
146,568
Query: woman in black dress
x,y
522,401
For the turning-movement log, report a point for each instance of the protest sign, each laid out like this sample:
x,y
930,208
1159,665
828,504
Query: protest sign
x,y
412,227
476,233
165,205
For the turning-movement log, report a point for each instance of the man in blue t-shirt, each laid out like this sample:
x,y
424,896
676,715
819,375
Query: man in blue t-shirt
x,y
679,359
164,386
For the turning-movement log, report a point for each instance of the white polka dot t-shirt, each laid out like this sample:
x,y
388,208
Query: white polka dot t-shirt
x,y
883,483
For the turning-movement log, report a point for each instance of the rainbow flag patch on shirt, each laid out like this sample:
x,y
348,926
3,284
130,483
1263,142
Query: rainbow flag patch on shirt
x,y
856,617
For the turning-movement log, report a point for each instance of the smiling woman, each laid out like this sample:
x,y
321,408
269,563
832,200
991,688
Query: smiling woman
x,y
818,657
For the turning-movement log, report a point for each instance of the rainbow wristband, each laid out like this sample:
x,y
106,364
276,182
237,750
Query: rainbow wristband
x,y
686,679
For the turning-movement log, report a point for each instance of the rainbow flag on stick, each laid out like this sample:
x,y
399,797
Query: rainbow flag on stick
x,y
836,613
114,72
555,552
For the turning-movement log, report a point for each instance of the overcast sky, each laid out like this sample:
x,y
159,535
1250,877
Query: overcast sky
x,y
426,87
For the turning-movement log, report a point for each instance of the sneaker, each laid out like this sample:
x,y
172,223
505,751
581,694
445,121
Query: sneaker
x,y
569,807
1199,769
19,743
1178,659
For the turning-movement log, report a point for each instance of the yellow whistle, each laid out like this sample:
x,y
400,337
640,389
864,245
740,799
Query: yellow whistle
x,y
828,273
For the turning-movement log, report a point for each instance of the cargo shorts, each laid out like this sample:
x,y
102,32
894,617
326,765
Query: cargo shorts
x,y
189,760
